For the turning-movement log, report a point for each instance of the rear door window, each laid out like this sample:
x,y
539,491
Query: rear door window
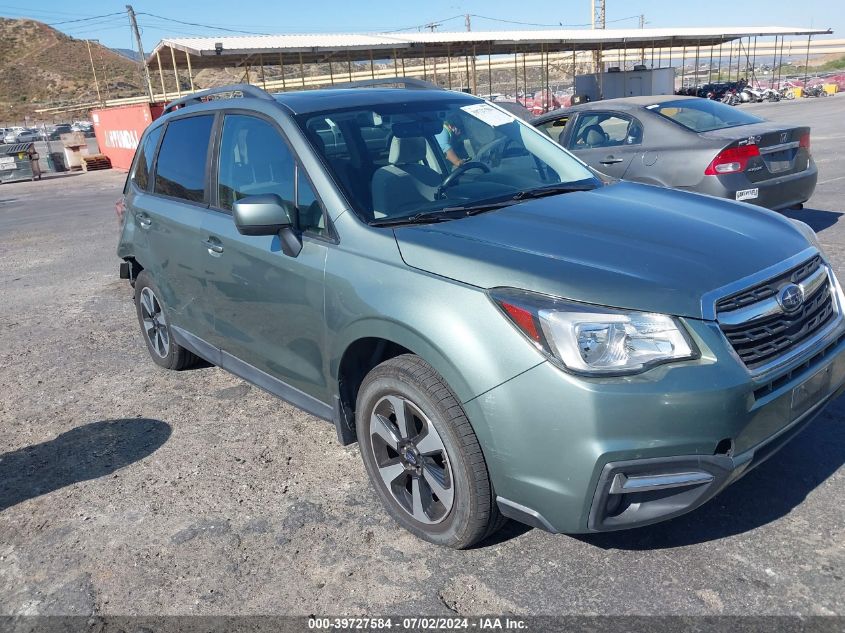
x,y
180,169
605,129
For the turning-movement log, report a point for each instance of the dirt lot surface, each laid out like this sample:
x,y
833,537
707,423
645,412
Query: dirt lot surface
x,y
125,489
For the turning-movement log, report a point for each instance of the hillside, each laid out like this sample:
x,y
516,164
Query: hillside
x,y
42,67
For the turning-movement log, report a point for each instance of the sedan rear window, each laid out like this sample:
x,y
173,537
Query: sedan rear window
x,y
703,115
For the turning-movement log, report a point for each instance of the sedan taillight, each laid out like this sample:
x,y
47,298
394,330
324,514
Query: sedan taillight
x,y
732,160
804,141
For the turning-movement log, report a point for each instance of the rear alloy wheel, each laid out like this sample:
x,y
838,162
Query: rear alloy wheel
x,y
155,327
422,455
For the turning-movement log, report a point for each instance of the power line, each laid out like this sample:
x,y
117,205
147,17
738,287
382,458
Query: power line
x,y
202,26
93,17
559,24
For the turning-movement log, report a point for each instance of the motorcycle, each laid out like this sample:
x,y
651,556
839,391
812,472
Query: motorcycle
x,y
770,95
731,98
814,91
751,95
787,93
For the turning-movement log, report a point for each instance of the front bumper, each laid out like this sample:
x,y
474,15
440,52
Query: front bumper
x,y
641,492
555,443
775,193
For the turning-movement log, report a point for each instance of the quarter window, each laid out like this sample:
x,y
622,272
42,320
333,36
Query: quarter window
x,y
554,128
144,163
180,169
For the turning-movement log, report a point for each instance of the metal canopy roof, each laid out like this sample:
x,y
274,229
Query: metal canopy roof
x,y
320,48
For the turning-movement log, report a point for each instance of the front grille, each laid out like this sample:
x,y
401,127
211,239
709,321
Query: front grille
x,y
768,288
763,340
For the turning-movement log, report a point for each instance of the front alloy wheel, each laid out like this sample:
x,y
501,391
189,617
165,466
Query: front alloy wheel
x,y
422,455
411,459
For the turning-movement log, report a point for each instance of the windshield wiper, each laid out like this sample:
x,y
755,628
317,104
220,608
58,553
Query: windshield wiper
x,y
445,214
552,190
420,218
475,209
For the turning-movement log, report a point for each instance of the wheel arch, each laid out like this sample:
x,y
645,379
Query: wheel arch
x,y
368,343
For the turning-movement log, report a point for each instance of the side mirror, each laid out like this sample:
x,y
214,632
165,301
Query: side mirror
x,y
267,214
261,215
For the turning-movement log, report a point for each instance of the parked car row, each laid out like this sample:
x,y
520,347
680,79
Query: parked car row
x,y
44,133
505,330
691,144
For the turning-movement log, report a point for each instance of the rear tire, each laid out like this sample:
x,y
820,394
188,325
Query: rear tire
x,y
155,327
416,442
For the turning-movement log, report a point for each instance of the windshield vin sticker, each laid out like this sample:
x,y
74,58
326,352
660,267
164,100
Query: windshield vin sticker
x,y
747,194
488,114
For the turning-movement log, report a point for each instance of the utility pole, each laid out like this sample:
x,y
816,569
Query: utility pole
x,y
135,30
642,50
598,20
94,70
473,81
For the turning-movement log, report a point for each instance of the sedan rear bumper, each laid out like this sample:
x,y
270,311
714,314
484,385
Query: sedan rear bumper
x,y
775,193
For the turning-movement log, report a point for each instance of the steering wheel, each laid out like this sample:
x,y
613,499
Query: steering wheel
x,y
455,176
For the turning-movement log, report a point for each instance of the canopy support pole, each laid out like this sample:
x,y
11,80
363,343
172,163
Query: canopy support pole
x,y
161,76
263,78
175,72
301,69
807,60
449,64
282,70
490,66
190,71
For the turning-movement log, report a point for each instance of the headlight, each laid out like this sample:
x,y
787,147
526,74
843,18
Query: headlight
x,y
595,340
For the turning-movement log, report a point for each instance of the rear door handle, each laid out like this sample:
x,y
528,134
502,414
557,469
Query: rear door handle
x,y
144,220
610,160
213,245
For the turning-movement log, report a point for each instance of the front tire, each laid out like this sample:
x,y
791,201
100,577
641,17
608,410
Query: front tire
x,y
155,327
422,456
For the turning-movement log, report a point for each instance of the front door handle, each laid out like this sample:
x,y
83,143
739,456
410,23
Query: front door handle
x,y
213,245
144,220
610,160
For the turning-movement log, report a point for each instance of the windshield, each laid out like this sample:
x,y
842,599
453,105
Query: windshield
x,y
406,160
703,115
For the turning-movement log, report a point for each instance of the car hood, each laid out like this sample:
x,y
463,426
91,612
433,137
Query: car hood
x,y
624,245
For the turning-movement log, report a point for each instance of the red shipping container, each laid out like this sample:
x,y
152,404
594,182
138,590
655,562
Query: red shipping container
x,y
119,129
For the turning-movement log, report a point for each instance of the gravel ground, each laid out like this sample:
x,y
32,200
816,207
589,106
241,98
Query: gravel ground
x,y
125,489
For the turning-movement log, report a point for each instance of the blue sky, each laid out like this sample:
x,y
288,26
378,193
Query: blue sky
x,y
332,16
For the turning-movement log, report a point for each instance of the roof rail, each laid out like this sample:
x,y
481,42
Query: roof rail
x,y
387,82
247,90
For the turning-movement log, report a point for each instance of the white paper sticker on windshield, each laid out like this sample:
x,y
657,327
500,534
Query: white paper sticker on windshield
x,y
488,114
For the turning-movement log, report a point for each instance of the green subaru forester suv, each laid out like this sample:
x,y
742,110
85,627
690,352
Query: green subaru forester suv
x,y
505,332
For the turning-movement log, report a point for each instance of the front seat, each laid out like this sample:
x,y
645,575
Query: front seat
x,y
593,136
404,183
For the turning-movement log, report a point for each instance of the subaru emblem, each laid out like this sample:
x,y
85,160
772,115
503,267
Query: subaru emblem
x,y
791,297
